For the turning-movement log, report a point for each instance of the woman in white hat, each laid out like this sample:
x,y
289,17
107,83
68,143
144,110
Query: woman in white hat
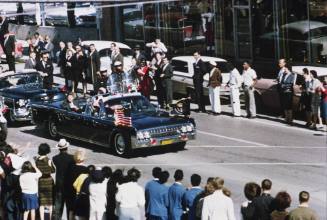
x,y
215,80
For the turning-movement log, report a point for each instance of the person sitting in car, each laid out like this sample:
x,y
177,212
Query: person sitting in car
x,y
98,100
69,104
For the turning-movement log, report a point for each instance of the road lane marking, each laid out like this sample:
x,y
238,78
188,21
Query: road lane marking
x,y
266,146
231,138
211,164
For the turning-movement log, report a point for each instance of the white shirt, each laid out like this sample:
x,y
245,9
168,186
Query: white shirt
x,y
235,78
217,206
249,76
98,196
29,182
130,195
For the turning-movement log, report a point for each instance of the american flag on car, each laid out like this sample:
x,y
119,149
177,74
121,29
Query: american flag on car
x,y
122,116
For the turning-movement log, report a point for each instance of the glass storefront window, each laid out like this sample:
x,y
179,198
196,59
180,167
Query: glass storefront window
x,y
261,30
318,31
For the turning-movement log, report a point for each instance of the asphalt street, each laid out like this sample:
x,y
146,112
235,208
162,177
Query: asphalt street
x,y
238,149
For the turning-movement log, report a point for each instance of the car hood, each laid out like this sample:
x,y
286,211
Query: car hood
x,y
25,91
145,121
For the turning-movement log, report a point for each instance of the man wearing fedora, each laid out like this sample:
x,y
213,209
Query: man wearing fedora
x,y
62,161
215,80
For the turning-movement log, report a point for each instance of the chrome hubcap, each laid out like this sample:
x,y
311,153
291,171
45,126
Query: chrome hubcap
x,y
53,129
120,144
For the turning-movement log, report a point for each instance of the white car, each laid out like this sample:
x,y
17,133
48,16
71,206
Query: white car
x,y
21,52
183,73
103,48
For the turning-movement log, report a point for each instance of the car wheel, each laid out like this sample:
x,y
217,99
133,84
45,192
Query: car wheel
x,y
259,103
53,129
121,144
179,146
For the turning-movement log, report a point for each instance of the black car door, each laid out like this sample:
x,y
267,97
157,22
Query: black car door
x,y
70,123
96,127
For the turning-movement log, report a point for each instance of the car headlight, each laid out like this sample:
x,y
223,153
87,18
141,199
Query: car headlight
x,y
140,135
189,128
184,129
146,135
143,135
22,102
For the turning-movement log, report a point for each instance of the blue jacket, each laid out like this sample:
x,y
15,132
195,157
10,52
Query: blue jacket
x,y
156,196
188,201
175,197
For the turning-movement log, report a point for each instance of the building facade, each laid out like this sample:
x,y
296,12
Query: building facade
x,y
261,31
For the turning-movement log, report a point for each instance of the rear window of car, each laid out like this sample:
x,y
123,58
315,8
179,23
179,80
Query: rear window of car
x,y
180,66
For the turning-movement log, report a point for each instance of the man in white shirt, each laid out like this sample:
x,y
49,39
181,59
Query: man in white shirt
x,y
218,205
249,80
234,83
130,197
157,47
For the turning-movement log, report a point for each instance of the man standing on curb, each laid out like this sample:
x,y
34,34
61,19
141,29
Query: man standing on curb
x,y
234,83
249,80
199,71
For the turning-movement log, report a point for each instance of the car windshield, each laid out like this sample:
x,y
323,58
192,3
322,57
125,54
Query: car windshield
x,y
19,79
138,104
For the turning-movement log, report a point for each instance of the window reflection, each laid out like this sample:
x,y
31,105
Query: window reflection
x,y
269,29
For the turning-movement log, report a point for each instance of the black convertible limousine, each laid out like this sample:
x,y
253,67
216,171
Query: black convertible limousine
x,y
122,122
18,90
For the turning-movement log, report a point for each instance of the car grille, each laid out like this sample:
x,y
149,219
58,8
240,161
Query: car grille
x,y
164,131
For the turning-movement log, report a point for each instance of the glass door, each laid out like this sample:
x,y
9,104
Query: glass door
x,y
242,30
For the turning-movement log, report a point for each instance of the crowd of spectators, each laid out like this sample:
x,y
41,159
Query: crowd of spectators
x,y
39,187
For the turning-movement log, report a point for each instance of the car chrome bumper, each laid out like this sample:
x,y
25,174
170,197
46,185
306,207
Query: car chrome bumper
x,y
162,141
22,115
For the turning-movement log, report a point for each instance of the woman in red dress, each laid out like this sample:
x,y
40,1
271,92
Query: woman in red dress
x,y
145,80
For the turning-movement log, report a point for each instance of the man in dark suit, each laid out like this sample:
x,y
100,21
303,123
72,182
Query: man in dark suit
x,y
31,62
9,49
199,71
45,67
167,74
62,161
93,64
3,29
117,56
263,204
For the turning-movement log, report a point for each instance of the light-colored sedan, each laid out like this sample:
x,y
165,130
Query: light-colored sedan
x,y
103,48
184,71
266,90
